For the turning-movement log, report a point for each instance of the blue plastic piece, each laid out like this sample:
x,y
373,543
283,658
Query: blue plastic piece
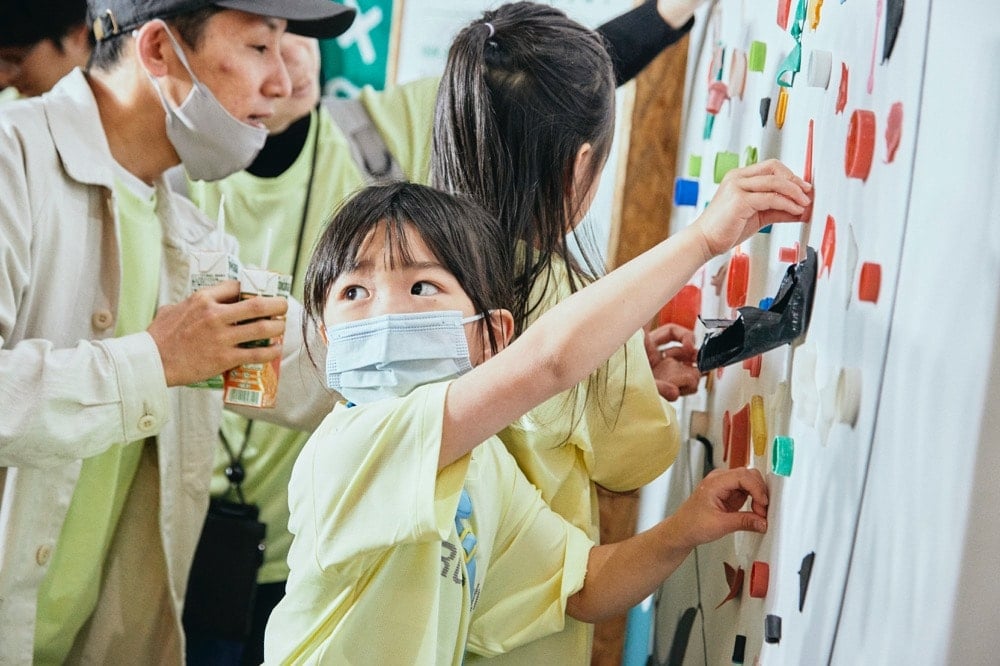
x,y
685,192
765,303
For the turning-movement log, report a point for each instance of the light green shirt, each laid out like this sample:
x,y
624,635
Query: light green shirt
x,y
69,592
404,117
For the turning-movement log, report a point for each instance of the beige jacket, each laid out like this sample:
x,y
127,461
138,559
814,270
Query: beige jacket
x,y
69,390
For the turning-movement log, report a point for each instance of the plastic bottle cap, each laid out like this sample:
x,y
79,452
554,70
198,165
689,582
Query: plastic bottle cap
x,y
759,574
869,282
724,163
685,192
848,396
694,166
860,144
683,308
738,73
758,424
752,365
718,93
758,54
782,455
779,113
739,437
772,629
819,69
789,255
737,279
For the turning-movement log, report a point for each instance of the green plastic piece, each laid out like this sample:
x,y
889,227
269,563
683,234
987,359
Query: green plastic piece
x,y
694,166
782,454
725,161
750,156
758,56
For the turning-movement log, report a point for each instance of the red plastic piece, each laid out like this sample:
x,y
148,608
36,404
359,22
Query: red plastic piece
x,y
726,430
893,130
789,255
753,365
739,437
737,280
760,572
718,93
783,8
842,90
734,579
683,308
870,282
829,245
860,144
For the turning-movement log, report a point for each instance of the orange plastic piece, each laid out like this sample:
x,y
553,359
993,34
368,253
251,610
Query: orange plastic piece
x,y
726,431
829,245
893,130
753,364
842,89
758,425
860,144
739,437
683,308
789,255
779,113
760,574
870,282
738,279
718,93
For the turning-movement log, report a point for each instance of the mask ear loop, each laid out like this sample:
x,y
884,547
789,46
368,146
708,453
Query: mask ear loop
x,y
184,61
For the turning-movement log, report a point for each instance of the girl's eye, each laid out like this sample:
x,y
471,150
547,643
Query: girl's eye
x,y
423,289
260,48
354,293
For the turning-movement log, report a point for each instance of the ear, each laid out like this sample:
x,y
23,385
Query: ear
x,y
581,185
502,323
154,49
322,334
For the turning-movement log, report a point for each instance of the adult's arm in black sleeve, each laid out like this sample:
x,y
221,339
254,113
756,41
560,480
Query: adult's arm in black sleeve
x,y
636,37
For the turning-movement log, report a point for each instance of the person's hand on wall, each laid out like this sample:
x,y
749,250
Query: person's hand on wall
x,y
675,368
677,12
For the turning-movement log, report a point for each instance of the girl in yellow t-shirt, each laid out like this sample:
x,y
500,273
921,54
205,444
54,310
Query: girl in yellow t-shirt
x,y
524,124
416,537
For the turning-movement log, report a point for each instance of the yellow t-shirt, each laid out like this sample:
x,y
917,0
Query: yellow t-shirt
x,y
378,574
617,432
69,592
404,117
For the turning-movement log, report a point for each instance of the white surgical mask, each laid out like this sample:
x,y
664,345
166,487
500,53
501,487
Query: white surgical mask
x,y
389,356
211,143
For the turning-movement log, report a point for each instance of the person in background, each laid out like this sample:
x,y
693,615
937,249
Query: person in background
x,y
524,123
105,453
417,540
40,42
303,172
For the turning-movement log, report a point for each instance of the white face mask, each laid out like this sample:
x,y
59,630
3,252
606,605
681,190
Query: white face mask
x,y
389,356
211,143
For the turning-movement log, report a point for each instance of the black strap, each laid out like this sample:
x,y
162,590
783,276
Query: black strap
x,y
235,472
368,147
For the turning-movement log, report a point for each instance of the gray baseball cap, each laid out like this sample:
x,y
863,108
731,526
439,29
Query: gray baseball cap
x,y
312,18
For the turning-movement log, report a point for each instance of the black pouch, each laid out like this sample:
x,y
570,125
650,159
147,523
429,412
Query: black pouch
x,y
223,578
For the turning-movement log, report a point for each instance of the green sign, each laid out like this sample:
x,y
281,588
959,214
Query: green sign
x,y
360,56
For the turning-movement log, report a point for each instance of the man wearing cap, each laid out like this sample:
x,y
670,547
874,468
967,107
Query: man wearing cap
x,y
105,454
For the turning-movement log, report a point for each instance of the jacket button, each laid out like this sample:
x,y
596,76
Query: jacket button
x,y
42,554
102,320
147,423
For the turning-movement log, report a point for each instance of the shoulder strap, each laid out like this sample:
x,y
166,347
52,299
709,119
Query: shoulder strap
x,y
368,148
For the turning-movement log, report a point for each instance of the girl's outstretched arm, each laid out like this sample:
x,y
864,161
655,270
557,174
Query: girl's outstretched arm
x,y
620,575
572,339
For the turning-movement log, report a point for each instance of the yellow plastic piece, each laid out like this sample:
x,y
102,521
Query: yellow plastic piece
x,y
814,10
779,114
758,425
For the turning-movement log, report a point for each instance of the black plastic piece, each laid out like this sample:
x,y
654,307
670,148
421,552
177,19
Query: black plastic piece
x,y
756,331
772,628
681,635
893,17
805,572
739,649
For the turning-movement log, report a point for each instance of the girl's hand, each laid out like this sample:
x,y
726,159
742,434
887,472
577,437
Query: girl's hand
x,y
714,508
749,199
675,369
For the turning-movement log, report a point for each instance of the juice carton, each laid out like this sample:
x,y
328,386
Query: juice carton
x,y
208,269
256,384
